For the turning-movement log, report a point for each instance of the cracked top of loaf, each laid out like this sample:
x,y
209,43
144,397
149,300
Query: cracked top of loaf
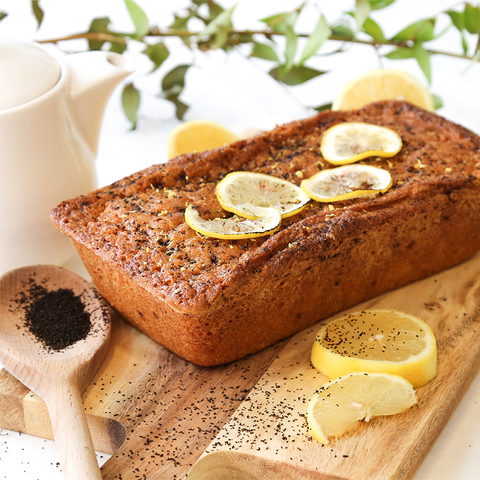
x,y
138,222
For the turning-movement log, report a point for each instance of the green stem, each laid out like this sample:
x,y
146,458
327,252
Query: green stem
x,y
156,32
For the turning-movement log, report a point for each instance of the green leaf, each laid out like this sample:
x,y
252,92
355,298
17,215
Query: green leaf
x,y
370,27
174,81
378,4
423,59
139,18
315,41
157,53
118,47
218,28
262,50
400,53
290,47
476,56
458,19
37,11
322,108
214,10
180,107
418,53
3,15
281,21
343,31
472,18
421,31
296,75
98,25
180,22
464,44
437,101
362,11
131,102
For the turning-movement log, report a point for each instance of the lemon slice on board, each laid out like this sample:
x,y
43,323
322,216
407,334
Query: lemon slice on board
x,y
385,341
239,191
235,228
349,181
198,136
383,84
339,405
353,141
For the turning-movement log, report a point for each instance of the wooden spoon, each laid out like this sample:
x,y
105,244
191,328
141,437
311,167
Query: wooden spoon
x,y
57,376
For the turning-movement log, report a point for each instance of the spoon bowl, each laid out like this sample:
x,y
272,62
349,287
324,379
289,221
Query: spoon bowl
x,y
58,375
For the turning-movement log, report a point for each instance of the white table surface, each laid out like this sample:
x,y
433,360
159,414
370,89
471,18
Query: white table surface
x,y
237,93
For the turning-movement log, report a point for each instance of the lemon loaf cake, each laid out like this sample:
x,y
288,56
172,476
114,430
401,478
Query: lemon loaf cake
x,y
211,300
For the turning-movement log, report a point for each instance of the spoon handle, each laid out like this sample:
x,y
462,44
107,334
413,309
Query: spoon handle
x,y
72,436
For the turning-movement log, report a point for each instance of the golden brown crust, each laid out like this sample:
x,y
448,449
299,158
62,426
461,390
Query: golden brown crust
x,y
213,301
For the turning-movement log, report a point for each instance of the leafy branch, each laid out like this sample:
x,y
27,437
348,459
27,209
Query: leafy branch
x,y
277,44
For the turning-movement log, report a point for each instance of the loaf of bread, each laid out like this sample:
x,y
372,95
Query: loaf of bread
x,y
213,301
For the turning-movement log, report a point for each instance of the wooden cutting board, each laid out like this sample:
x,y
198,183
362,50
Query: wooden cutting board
x,y
162,415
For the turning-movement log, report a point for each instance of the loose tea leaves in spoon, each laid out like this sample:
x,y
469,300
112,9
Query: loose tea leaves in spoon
x,y
57,318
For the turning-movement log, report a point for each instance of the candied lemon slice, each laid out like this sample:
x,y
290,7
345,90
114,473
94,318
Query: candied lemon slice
x,y
383,84
352,141
349,181
234,228
339,405
238,192
385,341
198,136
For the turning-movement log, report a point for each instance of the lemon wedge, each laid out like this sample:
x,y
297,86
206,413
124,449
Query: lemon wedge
x,y
349,181
353,141
386,341
198,136
383,84
339,405
235,228
238,192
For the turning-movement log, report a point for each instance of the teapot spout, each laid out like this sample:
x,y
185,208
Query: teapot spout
x,y
94,76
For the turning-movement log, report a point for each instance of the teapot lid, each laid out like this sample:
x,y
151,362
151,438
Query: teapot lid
x,y
26,72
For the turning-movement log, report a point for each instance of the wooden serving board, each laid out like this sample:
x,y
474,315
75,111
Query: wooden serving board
x,y
160,415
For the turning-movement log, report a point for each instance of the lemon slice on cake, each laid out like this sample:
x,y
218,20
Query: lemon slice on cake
x,y
198,136
353,141
235,228
383,84
238,192
339,405
385,341
349,181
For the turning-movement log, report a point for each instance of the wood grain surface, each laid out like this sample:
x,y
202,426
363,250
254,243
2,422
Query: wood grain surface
x,y
159,414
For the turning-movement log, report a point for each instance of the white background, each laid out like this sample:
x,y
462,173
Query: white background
x,y
237,93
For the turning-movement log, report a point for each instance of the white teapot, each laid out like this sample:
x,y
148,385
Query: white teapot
x,y
51,109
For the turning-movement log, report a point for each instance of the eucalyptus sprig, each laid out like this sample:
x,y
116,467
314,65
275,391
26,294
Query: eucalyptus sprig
x,y
286,51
